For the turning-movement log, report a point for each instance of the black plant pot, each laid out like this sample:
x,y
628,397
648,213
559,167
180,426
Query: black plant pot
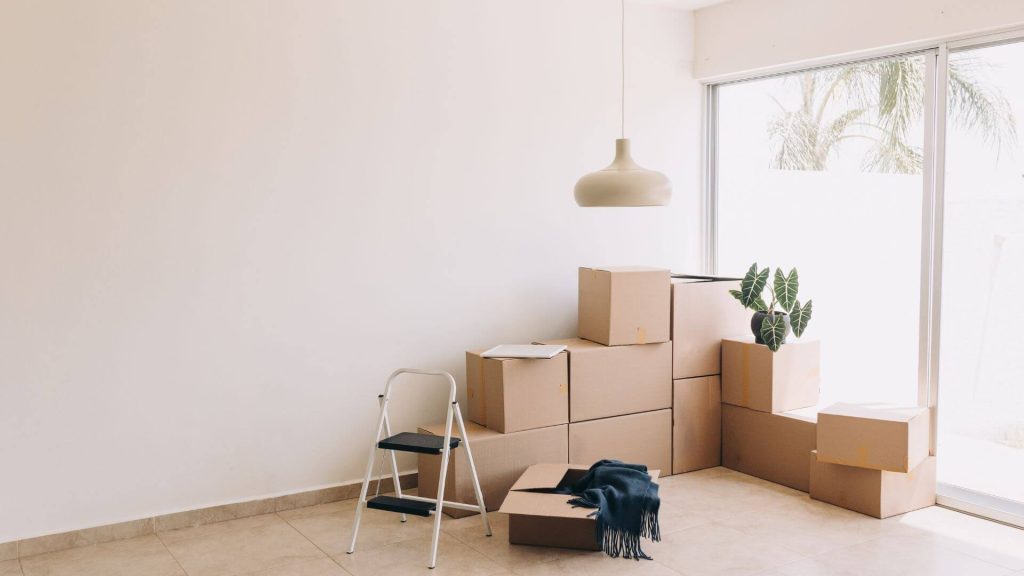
x,y
755,325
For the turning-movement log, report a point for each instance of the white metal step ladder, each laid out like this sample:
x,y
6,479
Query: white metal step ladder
x,y
422,444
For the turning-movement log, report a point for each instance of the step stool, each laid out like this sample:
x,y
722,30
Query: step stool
x,y
420,444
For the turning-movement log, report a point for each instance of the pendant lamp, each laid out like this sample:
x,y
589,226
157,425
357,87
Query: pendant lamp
x,y
623,182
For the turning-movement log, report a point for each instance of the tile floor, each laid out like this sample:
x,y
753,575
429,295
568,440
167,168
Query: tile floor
x,y
714,522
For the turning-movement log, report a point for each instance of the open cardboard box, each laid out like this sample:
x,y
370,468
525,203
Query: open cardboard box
x,y
539,519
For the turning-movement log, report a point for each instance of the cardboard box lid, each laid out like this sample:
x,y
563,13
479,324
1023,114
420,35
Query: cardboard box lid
x,y
548,505
874,411
808,414
578,345
475,431
627,269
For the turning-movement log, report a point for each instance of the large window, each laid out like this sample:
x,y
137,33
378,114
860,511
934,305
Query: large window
x,y
822,170
896,187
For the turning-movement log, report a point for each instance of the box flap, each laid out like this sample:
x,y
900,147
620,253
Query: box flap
x,y
550,505
874,411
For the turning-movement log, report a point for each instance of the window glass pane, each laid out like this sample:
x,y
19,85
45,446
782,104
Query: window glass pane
x,y
981,375
822,171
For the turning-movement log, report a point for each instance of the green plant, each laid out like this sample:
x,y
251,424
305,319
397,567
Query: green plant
x,y
783,289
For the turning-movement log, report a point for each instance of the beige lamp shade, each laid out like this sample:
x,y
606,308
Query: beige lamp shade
x,y
623,183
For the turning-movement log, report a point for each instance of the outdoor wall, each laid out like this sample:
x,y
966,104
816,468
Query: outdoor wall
x,y
745,35
223,224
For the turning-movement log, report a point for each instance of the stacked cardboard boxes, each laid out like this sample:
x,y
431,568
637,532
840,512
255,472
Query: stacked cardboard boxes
x,y
873,459
764,432
518,415
703,313
620,368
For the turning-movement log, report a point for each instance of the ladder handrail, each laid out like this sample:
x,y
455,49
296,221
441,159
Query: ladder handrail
x,y
423,372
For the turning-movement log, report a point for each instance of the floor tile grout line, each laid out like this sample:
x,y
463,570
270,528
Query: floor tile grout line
x,y
169,553
308,539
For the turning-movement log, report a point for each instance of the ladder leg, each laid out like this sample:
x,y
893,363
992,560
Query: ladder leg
x,y
394,463
445,453
472,470
369,471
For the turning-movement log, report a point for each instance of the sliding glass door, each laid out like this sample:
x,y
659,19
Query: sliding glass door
x,y
981,364
896,186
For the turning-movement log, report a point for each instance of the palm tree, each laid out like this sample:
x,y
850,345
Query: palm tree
x,y
880,102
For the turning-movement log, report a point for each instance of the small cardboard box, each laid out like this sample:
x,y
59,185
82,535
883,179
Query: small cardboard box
x,y
754,377
637,439
696,424
539,519
513,394
609,381
876,436
500,459
624,305
772,447
703,313
877,493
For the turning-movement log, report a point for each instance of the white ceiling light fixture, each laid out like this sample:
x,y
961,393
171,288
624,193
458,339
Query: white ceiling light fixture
x,y
623,182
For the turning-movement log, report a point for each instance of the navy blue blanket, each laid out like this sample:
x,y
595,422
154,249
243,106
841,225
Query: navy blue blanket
x,y
626,502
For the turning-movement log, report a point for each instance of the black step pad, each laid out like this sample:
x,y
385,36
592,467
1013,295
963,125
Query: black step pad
x,y
413,442
402,505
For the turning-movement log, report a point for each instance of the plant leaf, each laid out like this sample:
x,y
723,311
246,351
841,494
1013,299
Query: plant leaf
x,y
786,288
800,317
752,285
773,331
759,305
737,294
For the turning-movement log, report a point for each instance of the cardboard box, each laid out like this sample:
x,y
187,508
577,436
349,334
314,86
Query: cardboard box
x,y
476,411
518,393
539,519
754,377
773,447
609,381
876,436
637,439
703,313
624,305
500,459
877,493
696,424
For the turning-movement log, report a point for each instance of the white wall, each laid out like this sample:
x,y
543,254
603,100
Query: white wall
x,y
222,224
746,35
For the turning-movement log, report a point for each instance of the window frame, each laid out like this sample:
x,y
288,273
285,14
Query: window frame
x,y
933,201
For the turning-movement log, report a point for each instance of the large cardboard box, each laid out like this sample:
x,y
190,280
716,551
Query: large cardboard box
x,y
500,459
622,305
773,447
518,393
539,519
876,436
755,377
703,313
696,424
615,380
877,493
637,439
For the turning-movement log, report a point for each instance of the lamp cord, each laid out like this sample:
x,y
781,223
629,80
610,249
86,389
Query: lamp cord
x,y
622,48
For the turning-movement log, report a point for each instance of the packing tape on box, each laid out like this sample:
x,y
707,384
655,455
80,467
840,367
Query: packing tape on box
x,y
483,390
745,374
863,456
